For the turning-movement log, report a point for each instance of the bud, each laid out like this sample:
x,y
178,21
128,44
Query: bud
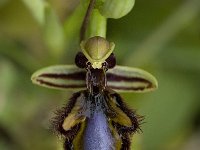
x,y
115,8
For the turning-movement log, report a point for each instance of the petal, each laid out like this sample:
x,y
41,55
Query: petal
x,y
75,116
128,79
121,117
60,77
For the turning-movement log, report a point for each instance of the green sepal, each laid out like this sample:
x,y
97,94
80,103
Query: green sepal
x,y
97,49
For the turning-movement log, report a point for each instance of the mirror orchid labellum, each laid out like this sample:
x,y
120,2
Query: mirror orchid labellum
x,y
96,117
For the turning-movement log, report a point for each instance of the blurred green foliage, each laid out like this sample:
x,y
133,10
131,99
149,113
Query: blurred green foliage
x,y
162,37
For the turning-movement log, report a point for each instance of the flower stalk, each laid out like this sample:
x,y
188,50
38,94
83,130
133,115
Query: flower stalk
x,y
86,19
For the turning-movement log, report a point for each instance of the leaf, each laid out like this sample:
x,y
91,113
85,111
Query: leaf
x,y
53,33
53,30
37,8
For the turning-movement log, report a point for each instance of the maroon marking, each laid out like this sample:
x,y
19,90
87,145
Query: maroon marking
x,y
61,85
128,88
80,60
111,61
114,77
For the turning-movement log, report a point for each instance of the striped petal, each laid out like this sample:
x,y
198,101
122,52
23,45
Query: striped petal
x,y
128,79
120,78
60,77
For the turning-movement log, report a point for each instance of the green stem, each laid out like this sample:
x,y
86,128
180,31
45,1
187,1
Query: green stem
x,y
97,25
94,24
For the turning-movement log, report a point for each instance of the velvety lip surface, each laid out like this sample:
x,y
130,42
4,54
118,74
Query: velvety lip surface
x,y
97,133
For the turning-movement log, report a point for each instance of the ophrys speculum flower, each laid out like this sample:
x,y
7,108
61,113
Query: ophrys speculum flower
x,y
96,117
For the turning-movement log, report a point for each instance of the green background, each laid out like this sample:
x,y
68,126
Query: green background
x,y
162,37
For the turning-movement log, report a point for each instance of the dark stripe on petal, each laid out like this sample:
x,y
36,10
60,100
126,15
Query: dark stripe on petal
x,y
129,88
72,76
60,85
114,77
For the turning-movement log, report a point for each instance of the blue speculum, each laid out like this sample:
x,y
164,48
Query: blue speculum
x,y
97,134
